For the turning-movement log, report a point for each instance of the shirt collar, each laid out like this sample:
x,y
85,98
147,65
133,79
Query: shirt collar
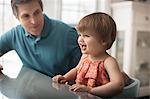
x,y
27,34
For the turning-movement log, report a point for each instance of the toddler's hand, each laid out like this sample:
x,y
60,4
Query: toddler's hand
x,y
57,86
59,79
81,88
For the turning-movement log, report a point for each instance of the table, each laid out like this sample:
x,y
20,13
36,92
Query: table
x,y
31,84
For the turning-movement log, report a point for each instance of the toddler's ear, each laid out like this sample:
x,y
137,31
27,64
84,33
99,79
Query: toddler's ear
x,y
104,43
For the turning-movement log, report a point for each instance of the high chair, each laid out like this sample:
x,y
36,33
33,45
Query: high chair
x,y
130,91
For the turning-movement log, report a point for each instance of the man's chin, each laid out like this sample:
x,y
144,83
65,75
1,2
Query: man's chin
x,y
35,33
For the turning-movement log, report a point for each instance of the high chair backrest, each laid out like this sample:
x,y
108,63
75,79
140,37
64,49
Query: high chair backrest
x,y
130,91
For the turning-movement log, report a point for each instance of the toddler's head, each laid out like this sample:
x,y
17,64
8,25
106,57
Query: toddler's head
x,y
100,25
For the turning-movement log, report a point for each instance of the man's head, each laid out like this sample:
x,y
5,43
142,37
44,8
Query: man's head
x,y
30,15
15,3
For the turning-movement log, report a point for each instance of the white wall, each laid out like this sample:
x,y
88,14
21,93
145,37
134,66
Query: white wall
x,y
52,8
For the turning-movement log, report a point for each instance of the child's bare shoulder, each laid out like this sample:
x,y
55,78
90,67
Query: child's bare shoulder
x,y
110,59
110,62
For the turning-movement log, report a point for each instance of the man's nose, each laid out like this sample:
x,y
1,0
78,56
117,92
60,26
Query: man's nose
x,y
33,20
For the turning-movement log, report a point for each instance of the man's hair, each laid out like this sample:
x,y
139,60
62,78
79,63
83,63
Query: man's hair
x,y
100,25
15,3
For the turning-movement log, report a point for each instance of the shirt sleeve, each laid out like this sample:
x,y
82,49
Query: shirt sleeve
x,y
6,42
74,49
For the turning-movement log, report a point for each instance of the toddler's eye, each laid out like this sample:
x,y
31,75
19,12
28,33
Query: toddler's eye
x,y
86,36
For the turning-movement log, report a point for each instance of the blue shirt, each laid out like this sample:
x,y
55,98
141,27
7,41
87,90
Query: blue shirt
x,y
55,52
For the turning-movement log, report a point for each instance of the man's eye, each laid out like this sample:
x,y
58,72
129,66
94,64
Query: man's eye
x,y
36,13
79,34
25,16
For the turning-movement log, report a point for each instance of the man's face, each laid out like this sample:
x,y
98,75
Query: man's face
x,y
31,17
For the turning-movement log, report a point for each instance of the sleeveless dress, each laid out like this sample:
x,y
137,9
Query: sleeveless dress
x,y
91,73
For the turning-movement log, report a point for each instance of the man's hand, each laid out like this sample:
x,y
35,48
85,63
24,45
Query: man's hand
x,y
1,74
1,68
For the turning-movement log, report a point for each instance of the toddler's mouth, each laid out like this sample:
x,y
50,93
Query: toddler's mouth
x,y
83,47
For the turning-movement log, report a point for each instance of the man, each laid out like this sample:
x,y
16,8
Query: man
x,y
46,45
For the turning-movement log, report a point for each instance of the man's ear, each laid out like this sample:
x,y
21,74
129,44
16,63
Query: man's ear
x,y
17,17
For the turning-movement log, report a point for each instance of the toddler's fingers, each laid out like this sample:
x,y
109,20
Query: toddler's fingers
x,y
63,81
55,78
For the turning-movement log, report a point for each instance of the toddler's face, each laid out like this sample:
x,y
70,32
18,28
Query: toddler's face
x,y
89,44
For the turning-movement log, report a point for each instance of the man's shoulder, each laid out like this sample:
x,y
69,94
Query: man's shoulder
x,y
60,23
59,26
14,30
56,23
17,28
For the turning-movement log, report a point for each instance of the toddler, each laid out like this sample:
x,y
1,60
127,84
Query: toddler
x,y
97,72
